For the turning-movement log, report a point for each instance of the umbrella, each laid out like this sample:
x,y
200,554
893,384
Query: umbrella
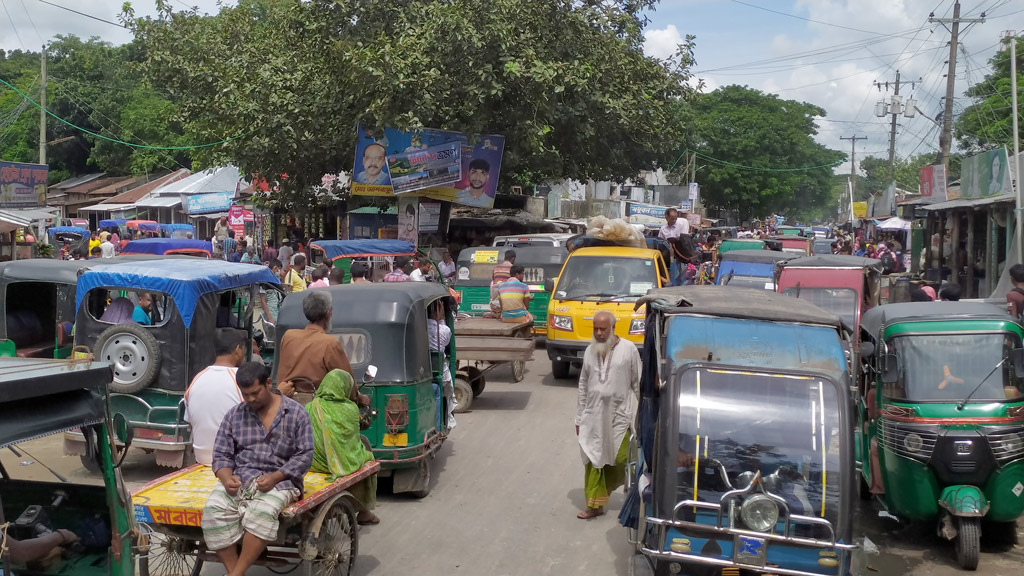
x,y
894,223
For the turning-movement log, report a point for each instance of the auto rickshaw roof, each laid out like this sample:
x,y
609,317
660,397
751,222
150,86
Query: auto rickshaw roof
x,y
335,249
743,303
365,303
173,227
184,279
58,271
67,230
833,261
874,319
758,256
162,246
112,223
73,390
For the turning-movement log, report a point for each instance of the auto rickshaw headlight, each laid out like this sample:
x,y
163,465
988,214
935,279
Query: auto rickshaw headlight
x,y
913,442
638,326
561,322
759,512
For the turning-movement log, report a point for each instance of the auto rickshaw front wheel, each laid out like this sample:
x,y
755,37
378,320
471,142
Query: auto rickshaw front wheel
x,y
134,355
968,542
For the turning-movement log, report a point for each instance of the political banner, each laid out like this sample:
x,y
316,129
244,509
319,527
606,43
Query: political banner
x,y
408,228
436,164
430,216
933,183
860,210
645,214
986,174
23,185
694,191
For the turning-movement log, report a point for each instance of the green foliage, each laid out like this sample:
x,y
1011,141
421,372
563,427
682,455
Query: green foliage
x,y
743,126
907,174
565,81
96,86
987,123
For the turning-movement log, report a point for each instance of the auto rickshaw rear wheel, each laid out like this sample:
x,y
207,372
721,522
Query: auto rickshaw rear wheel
x,y
463,394
425,478
169,556
968,542
559,369
337,543
134,355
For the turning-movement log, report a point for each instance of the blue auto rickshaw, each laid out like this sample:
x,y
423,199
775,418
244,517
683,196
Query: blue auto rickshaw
x,y
744,456
341,253
183,231
750,268
155,360
76,238
165,246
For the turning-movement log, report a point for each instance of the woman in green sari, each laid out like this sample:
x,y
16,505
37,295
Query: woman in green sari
x,y
338,449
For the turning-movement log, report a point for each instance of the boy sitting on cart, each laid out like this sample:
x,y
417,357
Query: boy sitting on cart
x,y
263,449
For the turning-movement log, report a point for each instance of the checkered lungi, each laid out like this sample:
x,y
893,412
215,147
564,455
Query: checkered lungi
x,y
226,518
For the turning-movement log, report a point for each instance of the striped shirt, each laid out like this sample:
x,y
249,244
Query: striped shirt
x,y
514,297
396,275
501,272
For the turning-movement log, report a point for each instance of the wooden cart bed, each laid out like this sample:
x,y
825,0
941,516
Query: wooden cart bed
x,y
178,498
488,327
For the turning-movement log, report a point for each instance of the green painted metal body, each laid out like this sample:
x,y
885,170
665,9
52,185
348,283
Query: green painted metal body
x,y
913,487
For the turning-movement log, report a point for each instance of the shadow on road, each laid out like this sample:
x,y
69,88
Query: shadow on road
x,y
571,382
500,400
385,486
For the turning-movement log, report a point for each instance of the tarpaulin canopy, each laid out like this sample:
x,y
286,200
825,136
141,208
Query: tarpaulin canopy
x,y
184,280
176,227
67,230
161,246
894,223
149,226
334,249
137,223
112,223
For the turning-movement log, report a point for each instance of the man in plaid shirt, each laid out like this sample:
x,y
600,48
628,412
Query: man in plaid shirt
x,y
403,266
264,447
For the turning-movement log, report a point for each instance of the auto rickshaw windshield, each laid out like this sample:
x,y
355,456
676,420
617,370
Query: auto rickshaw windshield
x,y
599,277
758,282
840,301
947,367
786,427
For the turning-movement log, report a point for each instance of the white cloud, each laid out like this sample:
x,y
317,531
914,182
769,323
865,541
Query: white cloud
x,y
662,43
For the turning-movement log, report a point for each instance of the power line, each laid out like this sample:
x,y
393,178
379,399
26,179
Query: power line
x,y
115,140
13,25
97,18
32,22
808,19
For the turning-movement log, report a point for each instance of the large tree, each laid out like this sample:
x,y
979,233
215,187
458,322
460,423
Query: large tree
x,y
760,155
565,81
987,122
907,173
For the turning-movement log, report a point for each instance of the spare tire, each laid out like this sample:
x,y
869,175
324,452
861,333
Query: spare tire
x,y
133,353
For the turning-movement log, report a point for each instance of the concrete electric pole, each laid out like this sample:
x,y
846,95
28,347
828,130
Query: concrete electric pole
x,y
42,108
945,140
853,161
895,107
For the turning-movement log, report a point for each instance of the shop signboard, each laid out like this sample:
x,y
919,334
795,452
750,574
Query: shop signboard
x,y
933,183
207,203
645,214
986,174
23,185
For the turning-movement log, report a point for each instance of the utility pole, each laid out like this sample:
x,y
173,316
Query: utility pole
x,y
42,108
1016,139
947,114
894,108
853,161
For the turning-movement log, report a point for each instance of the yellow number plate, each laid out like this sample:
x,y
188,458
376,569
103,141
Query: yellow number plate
x,y
485,257
396,439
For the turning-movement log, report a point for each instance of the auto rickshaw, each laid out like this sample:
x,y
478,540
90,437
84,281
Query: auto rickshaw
x,y
154,363
40,398
799,245
341,253
475,267
844,285
385,324
77,238
750,268
940,418
743,461
183,231
136,227
165,246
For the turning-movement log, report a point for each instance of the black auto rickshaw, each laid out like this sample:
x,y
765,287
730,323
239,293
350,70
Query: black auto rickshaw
x,y
745,450
387,325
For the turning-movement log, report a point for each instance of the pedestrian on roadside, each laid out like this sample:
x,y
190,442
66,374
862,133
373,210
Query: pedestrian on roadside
x,y
608,390
295,277
320,277
285,253
1015,297
270,299
250,255
269,252
214,392
361,273
949,292
228,245
107,248
403,266
336,277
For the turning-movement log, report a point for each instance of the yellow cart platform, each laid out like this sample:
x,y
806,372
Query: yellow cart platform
x,y
319,530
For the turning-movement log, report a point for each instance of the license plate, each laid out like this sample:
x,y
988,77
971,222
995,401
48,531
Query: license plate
x,y
750,551
580,353
396,439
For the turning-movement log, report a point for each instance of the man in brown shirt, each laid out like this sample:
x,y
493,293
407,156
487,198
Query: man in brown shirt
x,y
311,353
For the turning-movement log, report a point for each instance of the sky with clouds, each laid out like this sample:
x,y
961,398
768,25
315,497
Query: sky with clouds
x,y
825,52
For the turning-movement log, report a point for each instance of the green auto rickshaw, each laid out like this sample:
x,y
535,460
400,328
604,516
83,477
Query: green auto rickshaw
x,y
475,266
385,324
44,397
940,417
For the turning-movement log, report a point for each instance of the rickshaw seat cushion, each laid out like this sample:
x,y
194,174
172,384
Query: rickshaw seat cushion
x,y
65,335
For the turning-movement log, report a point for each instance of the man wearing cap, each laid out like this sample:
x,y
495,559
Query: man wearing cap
x,y
284,253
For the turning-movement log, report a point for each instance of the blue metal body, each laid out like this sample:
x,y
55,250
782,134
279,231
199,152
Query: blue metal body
x,y
334,249
162,246
758,269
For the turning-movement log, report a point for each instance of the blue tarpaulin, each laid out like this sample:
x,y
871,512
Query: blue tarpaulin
x,y
161,246
184,280
150,226
176,227
67,230
334,249
112,223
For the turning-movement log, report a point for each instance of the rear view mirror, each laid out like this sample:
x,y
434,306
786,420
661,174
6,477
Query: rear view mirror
x,y
890,372
867,349
1017,356
124,433
549,284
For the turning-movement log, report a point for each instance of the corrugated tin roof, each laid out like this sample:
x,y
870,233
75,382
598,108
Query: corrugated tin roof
x,y
970,202
77,180
117,186
133,195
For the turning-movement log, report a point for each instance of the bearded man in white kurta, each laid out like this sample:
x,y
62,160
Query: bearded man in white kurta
x,y
608,391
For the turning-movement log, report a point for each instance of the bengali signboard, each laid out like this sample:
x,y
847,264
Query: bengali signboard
x,y
645,214
933,183
986,174
23,185
207,203
435,164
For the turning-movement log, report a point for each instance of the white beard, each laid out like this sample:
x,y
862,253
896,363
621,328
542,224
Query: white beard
x,y
602,349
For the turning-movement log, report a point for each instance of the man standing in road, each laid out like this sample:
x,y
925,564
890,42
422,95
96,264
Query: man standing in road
x,y
228,245
284,254
673,228
422,271
107,248
608,389
263,449
213,393
295,279
403,266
